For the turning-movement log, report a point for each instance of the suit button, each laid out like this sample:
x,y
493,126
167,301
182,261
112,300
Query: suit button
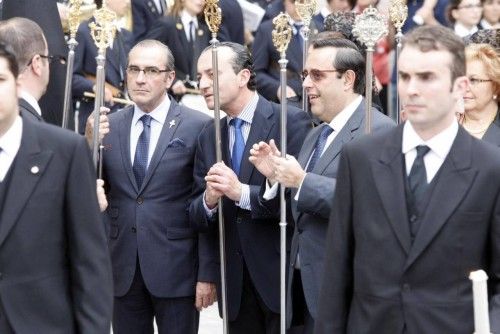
x,y
140,200
413,218
134,229
406,287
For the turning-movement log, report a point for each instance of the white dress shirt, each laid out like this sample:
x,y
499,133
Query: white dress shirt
x,y
158,116
9,144
439,145
186,19
463,31
31,100
247,116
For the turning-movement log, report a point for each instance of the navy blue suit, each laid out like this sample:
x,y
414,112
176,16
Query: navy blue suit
x,y
170,31
149,225
85,63
267,67
252,237
231,28
144,14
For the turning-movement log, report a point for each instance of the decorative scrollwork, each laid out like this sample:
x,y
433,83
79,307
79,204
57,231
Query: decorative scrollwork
x,y
103,29
74,16
213,16
282,33
398,12
306,9
369,27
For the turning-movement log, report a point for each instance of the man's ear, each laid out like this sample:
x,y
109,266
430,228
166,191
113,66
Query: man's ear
x,y
244,77
460,86
349,78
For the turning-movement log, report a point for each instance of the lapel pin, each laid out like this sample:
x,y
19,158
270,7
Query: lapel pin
x,y
179,26
35,170
200,32
172,123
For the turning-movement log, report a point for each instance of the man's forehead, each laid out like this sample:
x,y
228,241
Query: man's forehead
x,y
412,58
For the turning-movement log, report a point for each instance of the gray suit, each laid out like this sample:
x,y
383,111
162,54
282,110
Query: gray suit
x,y
311,211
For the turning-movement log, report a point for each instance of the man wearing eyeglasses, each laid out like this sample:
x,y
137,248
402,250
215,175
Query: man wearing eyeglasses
x,y
161,267
416,209
28,42
334,79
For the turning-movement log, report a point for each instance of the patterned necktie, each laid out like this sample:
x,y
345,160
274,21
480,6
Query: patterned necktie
x,y
238,146
141,151
319,147
418,175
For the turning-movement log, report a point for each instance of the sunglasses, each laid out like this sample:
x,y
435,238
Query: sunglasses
x,y
316,75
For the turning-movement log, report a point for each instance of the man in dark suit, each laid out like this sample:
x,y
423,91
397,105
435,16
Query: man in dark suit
x,y
144,14
55,268
160,264
28,42
416,209
266,58
335,83
45,14
251,231
84,71
232,27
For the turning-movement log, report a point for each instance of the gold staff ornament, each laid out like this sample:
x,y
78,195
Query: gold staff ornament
x,y
306,10
103,29
282,34
213,16
369,28
74,16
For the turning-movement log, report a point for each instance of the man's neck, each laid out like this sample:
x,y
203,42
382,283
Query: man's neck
x,y
426,132
236,106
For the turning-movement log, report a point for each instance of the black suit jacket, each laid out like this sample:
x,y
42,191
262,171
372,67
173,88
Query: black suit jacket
x,y
170,31
231,28
144,14
56,273
376,280
27,111
152,222
492,135
251,236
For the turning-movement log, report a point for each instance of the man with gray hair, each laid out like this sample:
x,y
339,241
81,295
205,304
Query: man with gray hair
x,y
161,267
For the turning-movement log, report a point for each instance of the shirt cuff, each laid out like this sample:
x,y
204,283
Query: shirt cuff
x,y
271,191
296,197
244,201
208,211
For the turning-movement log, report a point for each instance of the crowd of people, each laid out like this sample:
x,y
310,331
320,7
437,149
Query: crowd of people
x,y
383,228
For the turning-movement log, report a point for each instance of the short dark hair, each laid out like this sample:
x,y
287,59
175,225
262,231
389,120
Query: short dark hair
x,y
242,60
25,37
8,54
439,38
348,57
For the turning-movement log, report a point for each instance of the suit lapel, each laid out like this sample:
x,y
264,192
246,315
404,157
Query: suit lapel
x,y
172,123
262,124
453,182
23,103
124,138
389,181
308,146
24,179
492,135
224,137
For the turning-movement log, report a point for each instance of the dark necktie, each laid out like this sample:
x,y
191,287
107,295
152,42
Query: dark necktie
x,y
141,151
163,6
320,146
238,146
418,175
298,36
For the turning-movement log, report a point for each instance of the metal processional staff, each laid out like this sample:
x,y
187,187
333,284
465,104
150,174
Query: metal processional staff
x,y
103,32
282,34
213,18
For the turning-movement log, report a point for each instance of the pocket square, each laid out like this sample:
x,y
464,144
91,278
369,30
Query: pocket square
x,y
176,142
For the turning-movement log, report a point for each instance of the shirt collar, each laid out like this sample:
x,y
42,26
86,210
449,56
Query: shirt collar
x,y
248,111
159,114
463,31
31,100
11,140
186,18
325,11
342,117
439,144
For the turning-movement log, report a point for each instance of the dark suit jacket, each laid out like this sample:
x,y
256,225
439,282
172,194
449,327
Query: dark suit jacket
x,y
312,210
376,280
267,67
153,222
27,111
251,236
231,28
170,31
56,273
492,135
144,14
85,63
